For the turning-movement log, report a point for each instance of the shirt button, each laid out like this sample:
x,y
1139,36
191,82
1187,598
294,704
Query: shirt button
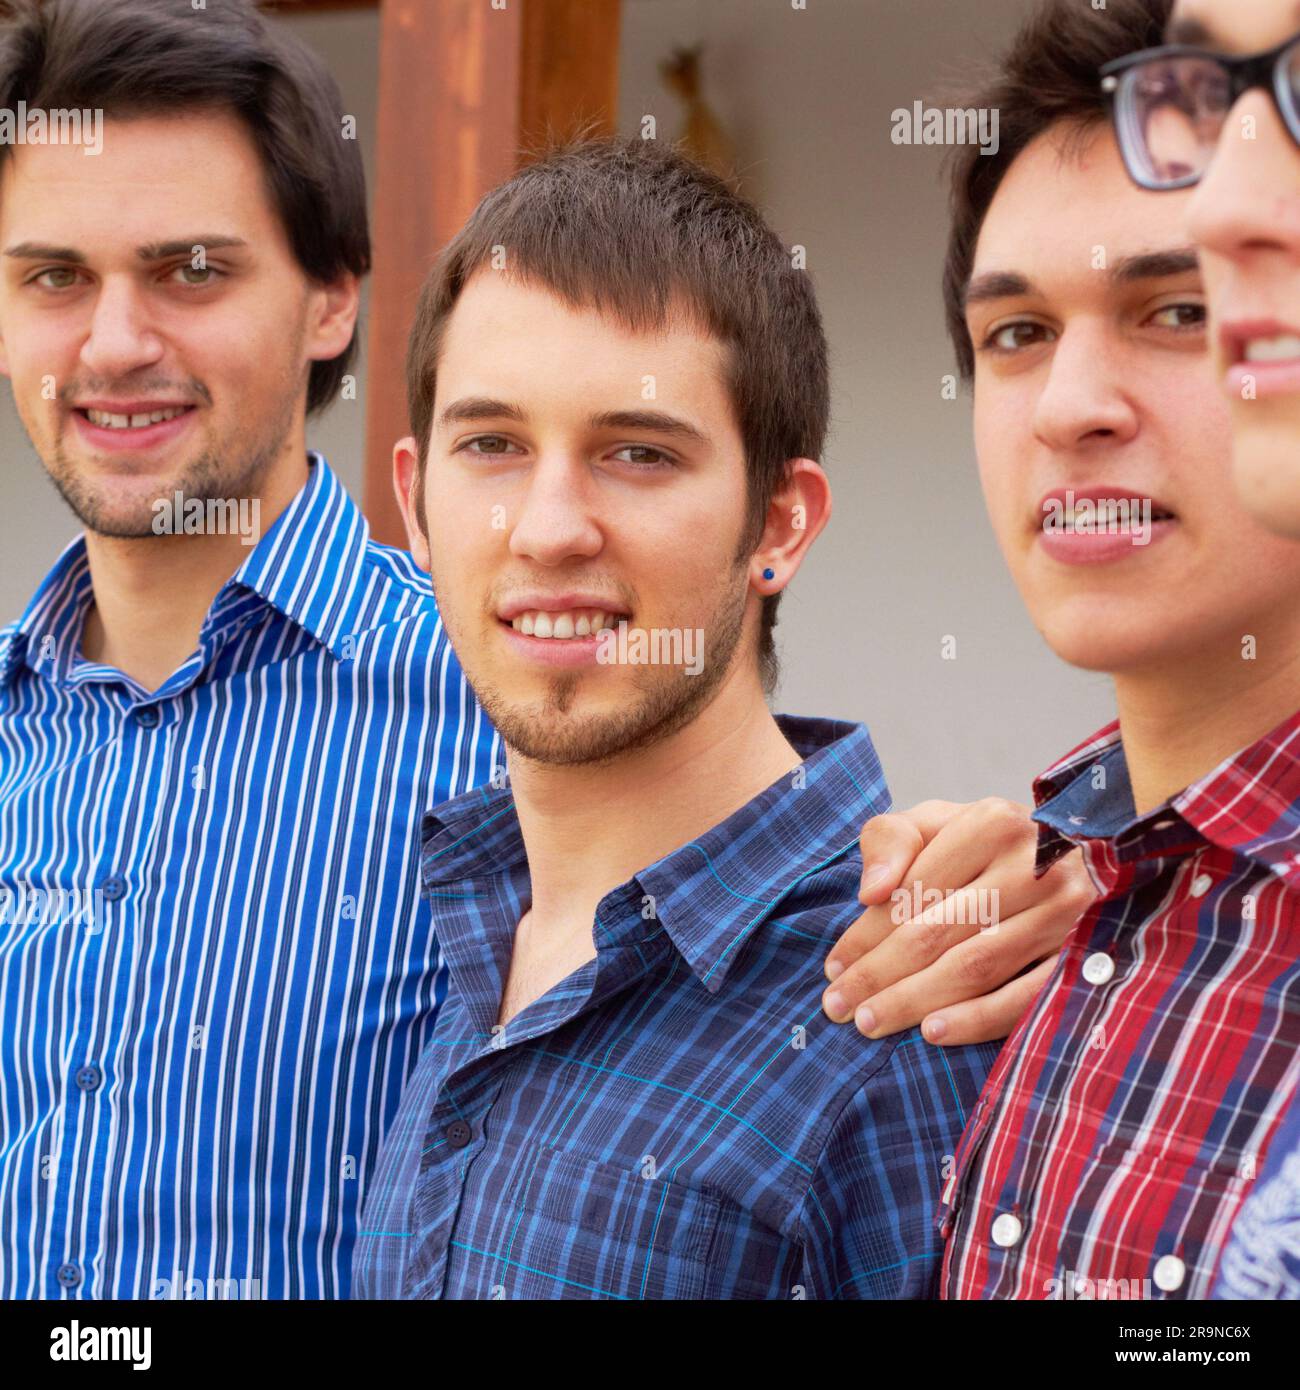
x,y
1098,968
69,1276
1201,885
89,1077
1169,1273
1007,1231
114,888
146,718
458,1134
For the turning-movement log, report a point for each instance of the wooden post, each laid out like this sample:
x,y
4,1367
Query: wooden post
x,y
465,87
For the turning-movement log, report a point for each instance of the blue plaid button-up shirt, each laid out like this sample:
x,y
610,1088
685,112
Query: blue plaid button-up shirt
x,y
677,1118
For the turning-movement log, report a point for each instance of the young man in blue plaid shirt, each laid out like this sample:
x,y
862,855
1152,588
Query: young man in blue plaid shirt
x,y
619,393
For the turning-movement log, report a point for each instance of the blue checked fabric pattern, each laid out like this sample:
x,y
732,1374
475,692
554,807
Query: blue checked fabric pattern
x,y
676,1119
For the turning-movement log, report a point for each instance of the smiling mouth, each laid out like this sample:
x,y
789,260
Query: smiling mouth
x,y
566,626
111,420
1276,347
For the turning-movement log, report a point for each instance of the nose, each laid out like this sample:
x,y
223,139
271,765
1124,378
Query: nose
x,y
122,338
1249,199
556,521
1084,400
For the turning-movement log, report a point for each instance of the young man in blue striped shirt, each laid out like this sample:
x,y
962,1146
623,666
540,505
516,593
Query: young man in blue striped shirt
x,y
215,964
632,1090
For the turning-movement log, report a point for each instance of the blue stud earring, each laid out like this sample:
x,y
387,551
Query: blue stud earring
x,y
769,573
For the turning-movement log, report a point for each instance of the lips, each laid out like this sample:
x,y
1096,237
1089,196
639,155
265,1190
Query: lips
x,y
1099,524
1262,357
133,426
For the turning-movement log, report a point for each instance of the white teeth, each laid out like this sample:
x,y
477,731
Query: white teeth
x,y
107,420
1278,349
563,626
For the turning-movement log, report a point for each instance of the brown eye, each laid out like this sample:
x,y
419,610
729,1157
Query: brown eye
x,y
1181,317
1013,336
642,455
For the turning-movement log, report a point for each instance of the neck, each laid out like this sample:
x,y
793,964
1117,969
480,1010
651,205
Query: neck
x,y
1179,724
588,828
152,594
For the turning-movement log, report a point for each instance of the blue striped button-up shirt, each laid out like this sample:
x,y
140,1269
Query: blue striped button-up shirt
x,y
216,970
676,1119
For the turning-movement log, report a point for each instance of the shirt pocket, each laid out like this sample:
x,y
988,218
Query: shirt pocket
x,y
1165,1205
583,1229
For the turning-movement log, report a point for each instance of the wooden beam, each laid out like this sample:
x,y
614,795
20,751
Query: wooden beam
x,y
568,79
464,88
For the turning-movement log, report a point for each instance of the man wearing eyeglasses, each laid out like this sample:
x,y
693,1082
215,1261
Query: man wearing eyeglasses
x,y
1219,108
1114,1140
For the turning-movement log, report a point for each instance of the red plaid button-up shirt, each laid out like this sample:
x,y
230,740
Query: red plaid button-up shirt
x,y
1122,1124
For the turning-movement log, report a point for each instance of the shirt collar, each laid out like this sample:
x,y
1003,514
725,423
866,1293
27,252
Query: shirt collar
x,y
1249,804
308,566
712,893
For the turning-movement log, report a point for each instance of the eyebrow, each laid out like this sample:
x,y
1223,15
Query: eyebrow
x,y
656,421
154,251
471,408
1148,265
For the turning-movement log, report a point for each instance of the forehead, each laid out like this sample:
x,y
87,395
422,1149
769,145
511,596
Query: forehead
x,y
523,337
155,175
1240,26
1064,197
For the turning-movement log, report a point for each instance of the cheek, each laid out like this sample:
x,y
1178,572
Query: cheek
x,y
997,450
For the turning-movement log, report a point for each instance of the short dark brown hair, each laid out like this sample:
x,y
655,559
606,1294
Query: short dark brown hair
x,y
1048,75
153,57
632,228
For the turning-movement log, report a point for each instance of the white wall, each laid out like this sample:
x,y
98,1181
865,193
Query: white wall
x,y
908,557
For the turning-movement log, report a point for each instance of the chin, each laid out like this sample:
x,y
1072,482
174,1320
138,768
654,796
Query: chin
x,y
1093,636
1266,470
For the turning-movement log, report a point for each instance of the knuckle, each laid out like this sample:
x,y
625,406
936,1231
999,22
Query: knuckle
x,y
929,938
1007,820
977,964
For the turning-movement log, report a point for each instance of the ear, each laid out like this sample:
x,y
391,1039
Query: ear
x,y
795,518
334,318
407,488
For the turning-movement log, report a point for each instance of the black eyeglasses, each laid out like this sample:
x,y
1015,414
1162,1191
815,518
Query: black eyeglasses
x,y
1170,105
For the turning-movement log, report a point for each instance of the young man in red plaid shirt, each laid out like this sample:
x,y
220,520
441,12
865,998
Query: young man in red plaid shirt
x,y
1120,1129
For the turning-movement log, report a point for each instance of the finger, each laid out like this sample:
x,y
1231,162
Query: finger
x,y
991,1017
863,934
988,847
884,952
982,963
891,842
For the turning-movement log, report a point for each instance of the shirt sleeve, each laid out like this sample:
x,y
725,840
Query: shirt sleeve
x,y
868,1220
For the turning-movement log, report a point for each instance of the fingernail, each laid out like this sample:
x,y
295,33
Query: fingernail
x,y
865,1019
873,875
934,1029
834,969
835,1006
